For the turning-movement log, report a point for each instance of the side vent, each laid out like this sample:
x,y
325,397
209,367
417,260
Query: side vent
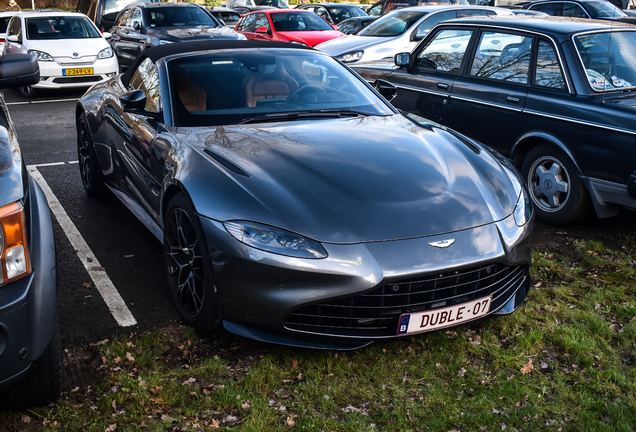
x,y
226,163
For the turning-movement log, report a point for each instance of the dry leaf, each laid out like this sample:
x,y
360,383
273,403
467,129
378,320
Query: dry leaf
x,y
537,285
290,422
527,368
130,357
189,381
461,373
215,424
155,390
246,405
86,284
26,419
111,428
294,363
440,367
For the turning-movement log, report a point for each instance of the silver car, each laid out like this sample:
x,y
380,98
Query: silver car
x,y
398,31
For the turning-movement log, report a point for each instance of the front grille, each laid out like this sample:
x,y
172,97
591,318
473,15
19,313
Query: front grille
x,y
77,79
70,61
376,313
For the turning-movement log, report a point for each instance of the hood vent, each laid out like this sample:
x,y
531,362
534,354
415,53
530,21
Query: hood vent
x,y
230,166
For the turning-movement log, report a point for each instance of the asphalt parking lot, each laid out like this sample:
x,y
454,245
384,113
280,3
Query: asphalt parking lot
x,y
110,270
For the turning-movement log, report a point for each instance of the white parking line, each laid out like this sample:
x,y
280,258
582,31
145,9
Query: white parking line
x,y
102,282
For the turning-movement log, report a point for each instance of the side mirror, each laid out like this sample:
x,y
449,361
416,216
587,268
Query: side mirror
x,y
17,70
262,30
133,101
107,35
221,21
386,89
13,38
136,25
402,59
335,27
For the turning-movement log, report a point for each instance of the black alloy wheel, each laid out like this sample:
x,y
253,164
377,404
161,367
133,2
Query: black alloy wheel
x,y
187,266
555,186
89,167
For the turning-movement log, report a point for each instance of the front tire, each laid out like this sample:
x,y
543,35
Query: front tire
x,y
27,91
42,383
187,265
90,171
555,186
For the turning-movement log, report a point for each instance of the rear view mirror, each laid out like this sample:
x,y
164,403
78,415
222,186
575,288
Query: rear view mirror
x,y
18,70
136,25
13,38
402,59
386,89
262,30
134,100
107,35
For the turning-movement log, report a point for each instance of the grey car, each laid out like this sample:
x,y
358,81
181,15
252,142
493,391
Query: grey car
x,y
398,31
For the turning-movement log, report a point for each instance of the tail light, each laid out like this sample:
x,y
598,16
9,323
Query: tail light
x,y
14,251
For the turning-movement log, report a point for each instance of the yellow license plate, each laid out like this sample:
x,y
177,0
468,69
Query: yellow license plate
x,y
77,71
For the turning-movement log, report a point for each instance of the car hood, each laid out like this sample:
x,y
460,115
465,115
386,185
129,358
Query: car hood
x,y
68,47
349,180
349,43
312,38
183,33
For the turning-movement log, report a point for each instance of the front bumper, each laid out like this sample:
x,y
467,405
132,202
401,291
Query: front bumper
x,y
349,298
28,305
52,75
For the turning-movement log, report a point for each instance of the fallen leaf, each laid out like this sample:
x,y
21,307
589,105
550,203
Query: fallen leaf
x,y
189,381
86,284
461,373
537,285
167,418
290,422
440,367
155,390
215,424
246,405
111,428
527,368
130,357
294,363
26,418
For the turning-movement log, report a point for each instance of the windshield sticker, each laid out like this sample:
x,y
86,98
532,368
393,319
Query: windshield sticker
x,y
597,81
619,82
586,41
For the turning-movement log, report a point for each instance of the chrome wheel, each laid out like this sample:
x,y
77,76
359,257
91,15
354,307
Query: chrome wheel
x,y
184,263
549,184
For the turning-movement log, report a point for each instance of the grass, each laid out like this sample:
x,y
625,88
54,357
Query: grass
x,y
563,362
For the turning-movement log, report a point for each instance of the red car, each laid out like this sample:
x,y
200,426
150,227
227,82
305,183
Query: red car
x,y
286,25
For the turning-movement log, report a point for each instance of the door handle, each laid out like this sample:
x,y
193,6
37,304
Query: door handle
x,y
442,85
512,99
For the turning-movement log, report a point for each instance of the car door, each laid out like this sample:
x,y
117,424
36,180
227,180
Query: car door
x,y
130,37
144,153
425,86
493,89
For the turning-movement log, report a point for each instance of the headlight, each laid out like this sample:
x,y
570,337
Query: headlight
x,y
276,240
523,209
164,42
40,55
105,53
350,57
299,43
14,256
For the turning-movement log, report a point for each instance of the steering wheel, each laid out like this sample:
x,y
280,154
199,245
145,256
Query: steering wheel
x,y
304,90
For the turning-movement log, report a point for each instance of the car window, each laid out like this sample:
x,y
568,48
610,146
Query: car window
x,y
4,22
552,9
15,28
247,24
122,18
502,56
61,27
473,12
178,16
349,27
228,88
605,9
445,51
573,10
261,21
341,13
393,24
434,19
548,71
322,12
375,10
298,21
146,78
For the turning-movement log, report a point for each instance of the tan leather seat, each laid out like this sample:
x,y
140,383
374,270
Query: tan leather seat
x,y
192,96
274,84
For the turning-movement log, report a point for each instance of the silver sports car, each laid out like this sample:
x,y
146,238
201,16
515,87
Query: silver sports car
x,y
296,205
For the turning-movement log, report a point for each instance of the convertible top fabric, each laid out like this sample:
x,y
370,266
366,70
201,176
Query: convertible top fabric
x,y
156,52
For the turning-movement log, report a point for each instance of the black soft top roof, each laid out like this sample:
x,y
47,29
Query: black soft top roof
x,y
156,52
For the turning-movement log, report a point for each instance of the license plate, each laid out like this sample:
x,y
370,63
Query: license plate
x,y
446,317
77,71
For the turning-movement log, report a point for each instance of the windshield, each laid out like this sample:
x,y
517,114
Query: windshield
x,y
67,27
609,62
114,6
178,16
221,88
298,21
604,9
393,24
281,4
341,13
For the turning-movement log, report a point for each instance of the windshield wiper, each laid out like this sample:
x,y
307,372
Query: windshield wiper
x,y
294,115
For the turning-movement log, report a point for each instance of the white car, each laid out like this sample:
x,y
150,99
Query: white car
x,y
71,52
398,31
5,17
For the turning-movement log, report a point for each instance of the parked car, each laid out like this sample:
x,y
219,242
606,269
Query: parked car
x,y
247,6
287,25
553,95
104,12
354,25
5,17
226,16
277,225
142,25
71,51
334,13
30,348
594,9
398,31
527,12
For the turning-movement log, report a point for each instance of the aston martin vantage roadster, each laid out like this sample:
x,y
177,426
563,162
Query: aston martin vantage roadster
x,y
296,205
